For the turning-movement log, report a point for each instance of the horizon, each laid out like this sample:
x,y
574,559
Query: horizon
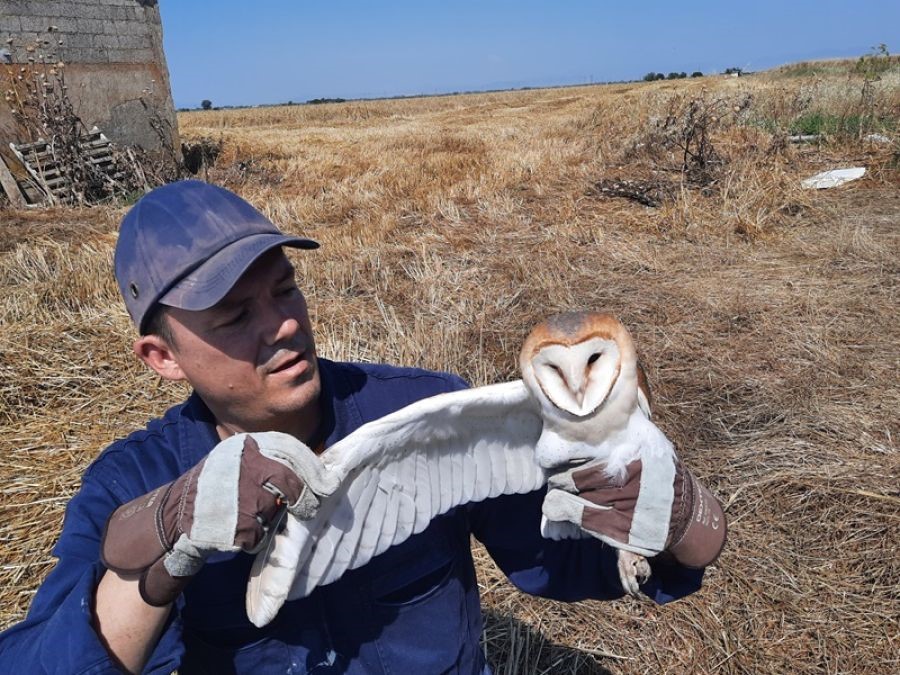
x,y
288,52
322,101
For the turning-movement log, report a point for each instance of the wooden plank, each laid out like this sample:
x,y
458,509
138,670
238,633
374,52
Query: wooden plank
x,y
32,194
10,187
47,158
40,155
103,163
36,178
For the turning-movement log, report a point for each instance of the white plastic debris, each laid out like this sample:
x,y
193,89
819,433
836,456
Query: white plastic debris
x,y
833,178
804,138
877,138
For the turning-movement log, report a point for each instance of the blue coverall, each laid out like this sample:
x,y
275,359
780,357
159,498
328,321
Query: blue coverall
x,y
413,609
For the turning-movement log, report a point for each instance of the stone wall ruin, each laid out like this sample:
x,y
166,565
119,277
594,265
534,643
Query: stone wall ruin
x,y
115,69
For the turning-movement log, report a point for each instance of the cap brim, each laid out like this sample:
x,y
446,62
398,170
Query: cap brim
x,y
209,283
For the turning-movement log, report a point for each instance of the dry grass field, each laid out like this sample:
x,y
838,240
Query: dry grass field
x,y
766,314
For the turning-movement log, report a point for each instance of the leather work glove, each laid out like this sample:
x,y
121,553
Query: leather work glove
x,y
225,503
659,507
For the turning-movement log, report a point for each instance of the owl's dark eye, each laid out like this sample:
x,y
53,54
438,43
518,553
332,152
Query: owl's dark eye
x,y
593,358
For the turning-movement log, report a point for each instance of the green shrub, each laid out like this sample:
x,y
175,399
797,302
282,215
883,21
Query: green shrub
x,y
839,126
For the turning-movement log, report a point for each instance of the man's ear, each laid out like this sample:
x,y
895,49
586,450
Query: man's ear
x,y
158,355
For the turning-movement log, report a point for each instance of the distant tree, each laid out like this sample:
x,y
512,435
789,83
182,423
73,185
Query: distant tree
x,y
696,73
206,104
734,71
673,76
650,77
317,101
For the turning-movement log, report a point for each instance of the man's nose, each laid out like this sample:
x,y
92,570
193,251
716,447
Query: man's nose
x,y
287,329
281,324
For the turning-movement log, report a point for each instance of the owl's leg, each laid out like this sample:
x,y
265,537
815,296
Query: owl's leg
x,y
633,570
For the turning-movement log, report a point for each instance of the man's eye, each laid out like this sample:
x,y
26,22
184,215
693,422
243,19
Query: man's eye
x,y
236,319
288,290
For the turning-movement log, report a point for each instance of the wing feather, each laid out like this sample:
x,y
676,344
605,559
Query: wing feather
x,y
445,483
327,547
434,482
469,466
513,475
497,483
423,492
349,542
398,473
378,510
389,527
456,476
406,513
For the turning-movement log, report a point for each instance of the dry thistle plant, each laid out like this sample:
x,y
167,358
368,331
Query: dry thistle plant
x,y
698,153
682,141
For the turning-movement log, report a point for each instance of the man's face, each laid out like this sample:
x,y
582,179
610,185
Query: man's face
x,y
252,357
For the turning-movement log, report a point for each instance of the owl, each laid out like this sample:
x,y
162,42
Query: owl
x,y
583,397
582,369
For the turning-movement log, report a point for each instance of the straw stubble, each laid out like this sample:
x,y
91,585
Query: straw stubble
x,y
766,317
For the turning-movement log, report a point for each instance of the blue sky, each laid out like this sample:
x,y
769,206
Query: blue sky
x,y
243,53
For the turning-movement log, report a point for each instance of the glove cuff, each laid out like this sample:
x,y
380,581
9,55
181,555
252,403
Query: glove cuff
x,y
135,541
158,588
699,529
165,579
134,537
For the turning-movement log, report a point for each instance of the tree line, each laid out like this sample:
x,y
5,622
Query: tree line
x,y
651,76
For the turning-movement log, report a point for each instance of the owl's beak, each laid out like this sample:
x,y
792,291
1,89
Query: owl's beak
x,y
577,382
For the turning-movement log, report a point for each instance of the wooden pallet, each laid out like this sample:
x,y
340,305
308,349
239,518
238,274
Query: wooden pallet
x,y
10,185
46,183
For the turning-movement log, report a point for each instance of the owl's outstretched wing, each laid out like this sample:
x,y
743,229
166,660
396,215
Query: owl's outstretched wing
x,y
398,473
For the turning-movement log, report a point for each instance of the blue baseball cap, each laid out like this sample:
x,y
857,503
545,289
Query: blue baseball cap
x,y
186,244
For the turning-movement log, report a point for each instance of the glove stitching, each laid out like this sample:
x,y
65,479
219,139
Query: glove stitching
x,y
158,519
182,500
685,514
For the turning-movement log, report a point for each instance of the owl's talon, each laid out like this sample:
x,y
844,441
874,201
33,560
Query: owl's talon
x,y
634,570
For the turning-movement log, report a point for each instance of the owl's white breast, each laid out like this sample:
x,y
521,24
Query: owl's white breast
x,y
564,441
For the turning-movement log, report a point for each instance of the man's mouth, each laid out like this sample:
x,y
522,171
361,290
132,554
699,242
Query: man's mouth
x,y
286,361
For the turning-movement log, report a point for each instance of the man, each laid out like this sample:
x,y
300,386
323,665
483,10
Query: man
x,y
153,557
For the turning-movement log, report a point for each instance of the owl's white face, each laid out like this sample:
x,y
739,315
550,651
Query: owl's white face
x,y
577,378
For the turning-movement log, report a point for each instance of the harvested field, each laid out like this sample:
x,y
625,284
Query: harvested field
x,y
766,316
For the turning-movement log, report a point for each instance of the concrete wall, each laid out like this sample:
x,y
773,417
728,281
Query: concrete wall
x,y
114,58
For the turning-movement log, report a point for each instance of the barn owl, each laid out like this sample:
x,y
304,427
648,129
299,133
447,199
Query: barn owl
x,y
583,370
582,397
